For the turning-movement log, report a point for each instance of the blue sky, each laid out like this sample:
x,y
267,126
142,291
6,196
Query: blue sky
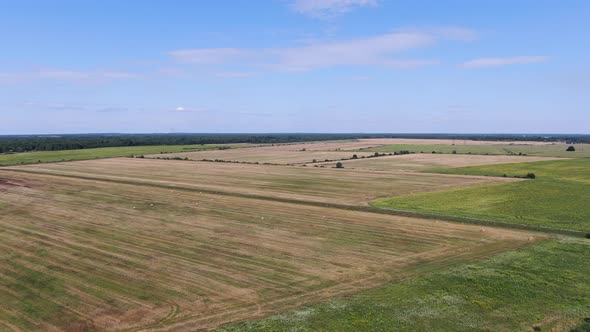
x,y
294,66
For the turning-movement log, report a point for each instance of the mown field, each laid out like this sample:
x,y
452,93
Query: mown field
x,y
317,152
539,150
544,287
328,185
85,154
278,154
557,198
80,255
424,161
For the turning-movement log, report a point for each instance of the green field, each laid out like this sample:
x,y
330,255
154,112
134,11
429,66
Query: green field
x,y
84,154
557,198
550,150
544,286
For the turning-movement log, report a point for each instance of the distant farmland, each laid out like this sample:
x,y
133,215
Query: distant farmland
x,y
110,152
425,161
539,149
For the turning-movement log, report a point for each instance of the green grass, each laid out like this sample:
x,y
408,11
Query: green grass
x,y
557,198
84,154
545,285
567,170
552,150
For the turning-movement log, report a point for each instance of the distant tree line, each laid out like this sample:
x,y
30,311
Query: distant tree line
x,y
26,143
71,142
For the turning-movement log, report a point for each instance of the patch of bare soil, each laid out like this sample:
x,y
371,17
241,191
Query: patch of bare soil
x,y
6,183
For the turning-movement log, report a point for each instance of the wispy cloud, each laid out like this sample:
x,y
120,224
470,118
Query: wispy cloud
x,y
173,72
498,62
381,50
68,75
209,55
262,114
73,106
455,33
329,8
112,110
360,52
361,78
236,74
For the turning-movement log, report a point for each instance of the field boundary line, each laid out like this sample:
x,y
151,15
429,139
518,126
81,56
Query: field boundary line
x,y
389,211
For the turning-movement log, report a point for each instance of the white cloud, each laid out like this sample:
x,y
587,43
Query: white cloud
x,y
369,51
382,50
328,8
498,62
184,109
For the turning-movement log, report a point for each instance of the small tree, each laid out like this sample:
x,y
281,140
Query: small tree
x,y
570,148
354,156
531,175
339,165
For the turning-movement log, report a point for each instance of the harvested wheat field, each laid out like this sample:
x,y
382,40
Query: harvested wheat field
x,y
279,154
424,141
326,185
303,153
423,161
91,254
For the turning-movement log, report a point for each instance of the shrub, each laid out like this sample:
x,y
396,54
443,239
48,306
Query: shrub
x,y
583,327
531,175
454,152
570,148
339,165
354,156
